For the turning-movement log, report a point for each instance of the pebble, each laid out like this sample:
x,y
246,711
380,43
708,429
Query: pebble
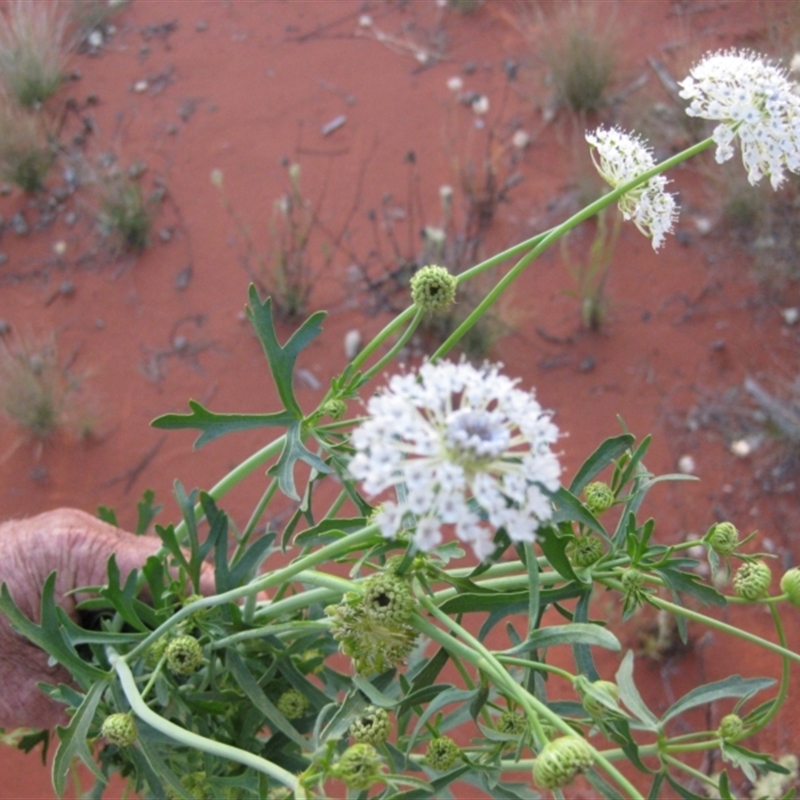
x,y
703,225
790,315
70,218
201,25
140,86
59,248
183,277
741,448
5,327
95,39
66,288
99,323
20,224
3,259
180,343
165,234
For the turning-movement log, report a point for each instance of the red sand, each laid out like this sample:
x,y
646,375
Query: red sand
x,y
255,82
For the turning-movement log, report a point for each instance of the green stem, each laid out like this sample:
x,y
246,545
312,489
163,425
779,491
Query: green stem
x,y
695,773
474,652
194,740
556,233
539,666
330,552
381,337
723,627
396,348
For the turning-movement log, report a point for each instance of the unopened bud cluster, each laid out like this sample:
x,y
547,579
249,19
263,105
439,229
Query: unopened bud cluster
x,y
723,538
359,767
599,497
119,729
373,628
583,551
790,585
731,727
561,761
293,704
595,707
372,727
433,288
752,580
513,723
184,655
442,753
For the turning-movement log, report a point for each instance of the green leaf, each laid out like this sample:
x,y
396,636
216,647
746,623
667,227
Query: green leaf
x,y
329,530
274,719
468,603
147,511
582,652
609,450
748,760
215,425
629,694
575,633
107,515
554,548
655,788
437,785
569,508
452,695
682,791
122,598
733,686
293,451
73,739
282,359
601,785
688,582
49,636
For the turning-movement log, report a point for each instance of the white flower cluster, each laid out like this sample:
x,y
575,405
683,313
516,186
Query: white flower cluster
x,y
463,447
753,100
620,157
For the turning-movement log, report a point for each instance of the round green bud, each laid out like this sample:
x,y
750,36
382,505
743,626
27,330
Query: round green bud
x,y
433,288
196,785
594,708
388,598
442,753
513,723
790,585
730,727
723,538
584,551
372,727
359,767
752,580
184,655
632,580
335,409
293,704
599,497
561,760
119,729
153,653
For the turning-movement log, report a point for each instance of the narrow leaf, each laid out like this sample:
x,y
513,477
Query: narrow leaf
x,y
609,450
733,686
629,694
576,633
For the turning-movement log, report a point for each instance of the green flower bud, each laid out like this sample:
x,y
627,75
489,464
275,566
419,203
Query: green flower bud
x,y
293,704
372,727
585,550
752,580
184,655
153,653
196,784
561,760
790,585
335,409
594,708
388,598
599,497
433,288
119,729
359,767
442,753
513,723
723,538
633,588
730,727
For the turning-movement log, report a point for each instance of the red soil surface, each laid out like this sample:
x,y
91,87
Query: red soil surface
x,y
241,86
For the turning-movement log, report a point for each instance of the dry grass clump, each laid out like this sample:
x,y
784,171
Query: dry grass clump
x,y
580,53
37,393
125,217
32,50
25,153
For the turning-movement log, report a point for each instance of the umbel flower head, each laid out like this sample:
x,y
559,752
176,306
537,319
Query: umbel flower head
x,y
561,760
371,727
359,767
751,99
620,157
467,447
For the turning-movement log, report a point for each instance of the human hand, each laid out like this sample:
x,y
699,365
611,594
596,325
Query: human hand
x,y
77,546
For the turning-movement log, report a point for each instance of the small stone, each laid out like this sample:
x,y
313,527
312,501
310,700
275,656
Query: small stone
x,y
100,323
521,139
741,448
95,39
140,86
587,365
180,344
3,259
684,238
67,288
201,25
20,224
59,247
165,234
172,129
183,277
455,84
469,68
790,315
70,218
703,225
5,327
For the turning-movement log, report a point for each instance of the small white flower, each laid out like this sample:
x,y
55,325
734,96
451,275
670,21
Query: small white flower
x,y
620,157
754,100
455,84
465,448
480,105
